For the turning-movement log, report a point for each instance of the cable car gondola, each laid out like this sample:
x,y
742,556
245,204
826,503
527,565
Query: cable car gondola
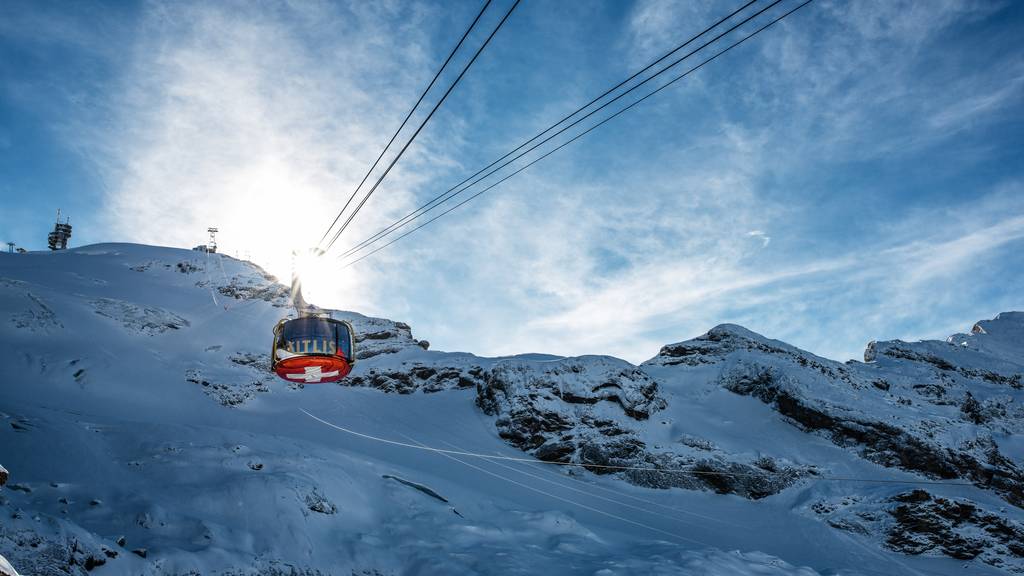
x,y
312,348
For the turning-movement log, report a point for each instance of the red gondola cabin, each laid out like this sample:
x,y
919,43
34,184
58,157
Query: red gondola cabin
x,y
313,350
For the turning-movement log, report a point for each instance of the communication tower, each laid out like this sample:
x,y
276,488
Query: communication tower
x,y
212,246
58,239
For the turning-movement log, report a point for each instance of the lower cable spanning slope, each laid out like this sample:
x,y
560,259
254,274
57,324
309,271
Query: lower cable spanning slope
x,y
592,411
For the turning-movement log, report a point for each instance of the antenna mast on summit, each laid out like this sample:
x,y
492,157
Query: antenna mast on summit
x,y
212,246
58,239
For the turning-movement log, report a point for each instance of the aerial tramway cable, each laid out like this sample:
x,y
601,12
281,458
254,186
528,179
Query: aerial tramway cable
x,y
420,128
386,231
406,119
605,513
317,348
573,139
589,493
613,468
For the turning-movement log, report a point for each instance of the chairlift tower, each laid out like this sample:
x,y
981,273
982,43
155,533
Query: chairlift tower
x,y
58,239
212,246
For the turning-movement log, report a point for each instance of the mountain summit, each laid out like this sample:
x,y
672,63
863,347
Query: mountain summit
x,y
144,434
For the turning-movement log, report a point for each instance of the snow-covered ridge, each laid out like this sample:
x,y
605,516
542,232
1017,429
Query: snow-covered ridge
x,y
145,434
939,408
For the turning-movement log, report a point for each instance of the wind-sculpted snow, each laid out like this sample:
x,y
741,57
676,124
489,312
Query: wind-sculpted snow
x,y
145,434
36,316
148,320
26,310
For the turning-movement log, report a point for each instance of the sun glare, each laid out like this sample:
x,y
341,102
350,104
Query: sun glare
x,y
278,226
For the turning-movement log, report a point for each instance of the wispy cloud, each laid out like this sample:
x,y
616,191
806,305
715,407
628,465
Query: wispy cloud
x,y
754,192
259,119
891,279
621,269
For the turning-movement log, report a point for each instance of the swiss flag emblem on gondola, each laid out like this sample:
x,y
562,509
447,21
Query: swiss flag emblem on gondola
x,y
313,374
313,369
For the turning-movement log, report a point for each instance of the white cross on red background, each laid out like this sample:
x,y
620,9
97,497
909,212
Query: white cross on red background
x,y
312,375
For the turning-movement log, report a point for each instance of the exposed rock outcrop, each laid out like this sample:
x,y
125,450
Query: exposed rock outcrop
x,y
927,407
588,411
916,522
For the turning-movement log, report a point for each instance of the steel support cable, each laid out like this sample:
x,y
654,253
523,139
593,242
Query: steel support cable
x,y
694,472
584,492
450,194
444,197
591,486
595,486
578,136
398,223
421,126
564,499
406,120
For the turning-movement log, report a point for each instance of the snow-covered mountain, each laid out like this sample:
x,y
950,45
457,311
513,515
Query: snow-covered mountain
x,y
144,434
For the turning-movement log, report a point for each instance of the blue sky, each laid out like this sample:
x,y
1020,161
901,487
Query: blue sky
x,y
853,174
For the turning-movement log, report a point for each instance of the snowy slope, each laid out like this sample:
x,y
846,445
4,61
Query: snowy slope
x,y
144,435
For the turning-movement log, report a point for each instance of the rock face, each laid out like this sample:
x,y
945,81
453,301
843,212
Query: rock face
x,y
916,522
591,411
420,376
956,528
935,408
539,404
376,336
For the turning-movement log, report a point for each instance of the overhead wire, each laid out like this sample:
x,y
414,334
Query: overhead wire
x,y
406,119
578,136
615,468
567,117
573,502
595,486
423,124
590,494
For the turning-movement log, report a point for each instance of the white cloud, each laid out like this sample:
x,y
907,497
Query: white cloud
x,y
760,235
896,279
260,118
